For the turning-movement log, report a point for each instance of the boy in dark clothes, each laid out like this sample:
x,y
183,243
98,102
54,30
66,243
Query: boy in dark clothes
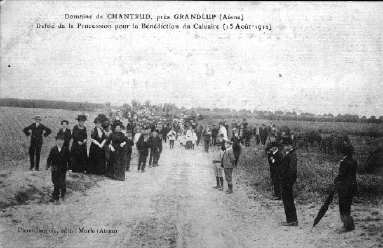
x,y
64,131
143,151
58,161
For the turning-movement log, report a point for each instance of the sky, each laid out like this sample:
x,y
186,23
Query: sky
x,y
318,57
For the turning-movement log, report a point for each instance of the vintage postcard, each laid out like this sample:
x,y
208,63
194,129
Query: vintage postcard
x,y
191,124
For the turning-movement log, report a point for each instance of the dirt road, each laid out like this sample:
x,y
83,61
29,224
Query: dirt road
x,y
173,205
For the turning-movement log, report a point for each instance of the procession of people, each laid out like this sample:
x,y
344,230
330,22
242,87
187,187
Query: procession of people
x,y
112,142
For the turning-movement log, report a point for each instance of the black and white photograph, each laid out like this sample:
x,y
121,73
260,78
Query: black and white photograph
x,y
181,124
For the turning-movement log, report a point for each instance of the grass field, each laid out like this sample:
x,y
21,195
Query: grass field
x,y
349,128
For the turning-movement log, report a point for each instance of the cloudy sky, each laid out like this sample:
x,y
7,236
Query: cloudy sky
x,y
319,57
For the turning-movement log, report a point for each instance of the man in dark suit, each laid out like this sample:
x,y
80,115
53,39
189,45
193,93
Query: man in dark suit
x,y
36,130
287,172
58,161
346,187
271,150
143,151
155,148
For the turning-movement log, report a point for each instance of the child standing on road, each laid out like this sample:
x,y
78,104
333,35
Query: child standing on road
x,y
58,161
218,170
229,162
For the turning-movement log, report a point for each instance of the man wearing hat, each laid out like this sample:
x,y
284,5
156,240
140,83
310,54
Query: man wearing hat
x,y
155,143
143,146
346,186
36,130
58,161
271,150
286,160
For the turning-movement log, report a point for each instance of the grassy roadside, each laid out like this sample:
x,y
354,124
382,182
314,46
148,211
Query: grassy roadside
x,y
19,186
316,172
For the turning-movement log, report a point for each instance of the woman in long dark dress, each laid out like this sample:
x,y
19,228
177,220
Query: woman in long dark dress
x,y
117,146
96,163
78,150
108,133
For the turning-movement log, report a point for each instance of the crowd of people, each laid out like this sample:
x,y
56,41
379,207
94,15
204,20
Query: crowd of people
x,y
111,146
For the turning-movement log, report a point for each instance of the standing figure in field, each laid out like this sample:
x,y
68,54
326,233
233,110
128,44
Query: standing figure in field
x,y
65,132
287,172
97,164
271,150
143,151
246,135
346,186
78,149
263,133
257,135
171,137
229,162
155,148
58,161
206,138
117,145
37,131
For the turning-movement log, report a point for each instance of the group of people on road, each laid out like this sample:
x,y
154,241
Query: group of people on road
x,y
111,149
282,158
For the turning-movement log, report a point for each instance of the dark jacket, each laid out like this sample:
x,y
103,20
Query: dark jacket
x,y
58,160
155,144
129,145
67,136
287,166
345,182
143,146
37,132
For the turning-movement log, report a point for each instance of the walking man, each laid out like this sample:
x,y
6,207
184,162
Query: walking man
x,y
143,151
155,143
36,130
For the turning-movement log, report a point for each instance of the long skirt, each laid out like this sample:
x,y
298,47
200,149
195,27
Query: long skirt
x,y
78,158
118,164
96,163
